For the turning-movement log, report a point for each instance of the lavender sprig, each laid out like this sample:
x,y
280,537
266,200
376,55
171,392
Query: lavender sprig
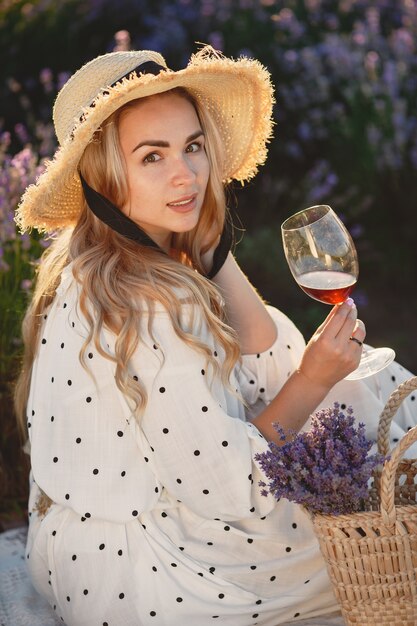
x,y
325,469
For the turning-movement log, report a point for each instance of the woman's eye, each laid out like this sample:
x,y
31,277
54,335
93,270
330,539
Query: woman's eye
x,y
194,147
151,158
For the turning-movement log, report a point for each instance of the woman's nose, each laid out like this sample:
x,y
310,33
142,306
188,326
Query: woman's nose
x,y
183,171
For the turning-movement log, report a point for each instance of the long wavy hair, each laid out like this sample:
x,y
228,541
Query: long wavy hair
x,y
117,276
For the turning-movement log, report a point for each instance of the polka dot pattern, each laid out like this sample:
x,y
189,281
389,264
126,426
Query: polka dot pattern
x,y
120,489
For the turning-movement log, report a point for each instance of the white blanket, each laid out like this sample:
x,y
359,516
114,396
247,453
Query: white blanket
x,y
21,605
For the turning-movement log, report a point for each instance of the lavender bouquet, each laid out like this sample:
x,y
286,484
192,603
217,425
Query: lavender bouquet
x,y
326,469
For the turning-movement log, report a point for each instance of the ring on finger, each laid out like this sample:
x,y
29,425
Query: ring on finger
x,y
360,343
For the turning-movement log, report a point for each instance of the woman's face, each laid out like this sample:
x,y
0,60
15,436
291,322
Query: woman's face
x,y
167,167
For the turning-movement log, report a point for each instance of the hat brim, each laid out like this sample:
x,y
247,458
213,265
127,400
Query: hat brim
x,y
238,94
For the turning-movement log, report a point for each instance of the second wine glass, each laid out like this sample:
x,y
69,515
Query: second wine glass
x,y
322,258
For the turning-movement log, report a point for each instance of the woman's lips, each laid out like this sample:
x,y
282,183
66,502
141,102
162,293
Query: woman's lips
x,y
184,204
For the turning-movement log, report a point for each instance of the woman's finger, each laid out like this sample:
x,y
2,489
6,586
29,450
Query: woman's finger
x,y
327,319
358,334
359,330
337,319
347,329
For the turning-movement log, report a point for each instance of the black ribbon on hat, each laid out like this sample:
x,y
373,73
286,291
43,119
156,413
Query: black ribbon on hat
x,y
149,67
111,215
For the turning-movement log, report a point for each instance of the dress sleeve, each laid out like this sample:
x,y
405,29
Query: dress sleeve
x,y
202,447
262,375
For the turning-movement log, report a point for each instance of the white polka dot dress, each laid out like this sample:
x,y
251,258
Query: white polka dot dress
x,y
162,522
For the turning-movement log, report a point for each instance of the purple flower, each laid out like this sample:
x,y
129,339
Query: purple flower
x,y
26,284
22,133
216,40
62,79
122,40
325,469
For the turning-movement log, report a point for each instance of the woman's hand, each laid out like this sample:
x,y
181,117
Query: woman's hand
x,y
330,355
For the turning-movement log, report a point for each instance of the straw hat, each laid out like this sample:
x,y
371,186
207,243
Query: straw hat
x,y
238,93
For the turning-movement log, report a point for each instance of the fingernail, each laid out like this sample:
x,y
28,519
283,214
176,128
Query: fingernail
x,y
350,302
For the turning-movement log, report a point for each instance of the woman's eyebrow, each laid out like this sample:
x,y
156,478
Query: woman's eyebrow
x,y
158,143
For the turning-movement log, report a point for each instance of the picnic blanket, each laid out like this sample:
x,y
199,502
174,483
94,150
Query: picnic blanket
x,y
21,605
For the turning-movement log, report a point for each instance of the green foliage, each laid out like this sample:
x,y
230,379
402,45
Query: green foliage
x,y
18,254
18,257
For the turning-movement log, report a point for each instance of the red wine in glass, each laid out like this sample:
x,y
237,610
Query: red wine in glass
x,y
327,286
322,258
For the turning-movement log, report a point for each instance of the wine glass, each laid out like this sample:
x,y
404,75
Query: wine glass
x,y
322,258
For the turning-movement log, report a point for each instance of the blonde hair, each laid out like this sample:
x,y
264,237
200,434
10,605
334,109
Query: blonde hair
x,y
118,275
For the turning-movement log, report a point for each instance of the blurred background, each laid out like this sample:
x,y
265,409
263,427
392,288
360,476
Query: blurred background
x,y
345,72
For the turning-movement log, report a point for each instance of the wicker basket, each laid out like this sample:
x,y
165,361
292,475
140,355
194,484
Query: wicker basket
x,y
371,556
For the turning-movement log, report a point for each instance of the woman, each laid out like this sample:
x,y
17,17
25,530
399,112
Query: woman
x,y
153,370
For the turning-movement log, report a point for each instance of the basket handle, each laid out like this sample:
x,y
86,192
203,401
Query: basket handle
x,y
389,411
388,475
